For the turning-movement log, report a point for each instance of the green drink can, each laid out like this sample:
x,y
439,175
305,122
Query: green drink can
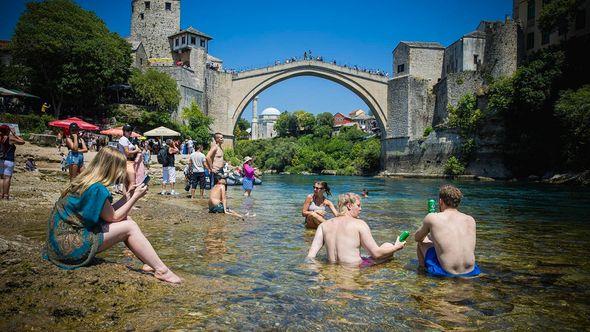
x,y
431,206
404,235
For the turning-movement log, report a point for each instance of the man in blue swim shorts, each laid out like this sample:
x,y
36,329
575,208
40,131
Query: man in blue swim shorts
x,y
446,240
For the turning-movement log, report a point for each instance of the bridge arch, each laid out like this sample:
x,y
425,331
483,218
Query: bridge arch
x,y
371,88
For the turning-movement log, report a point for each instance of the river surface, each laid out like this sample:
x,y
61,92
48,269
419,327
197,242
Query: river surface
x,y
532,246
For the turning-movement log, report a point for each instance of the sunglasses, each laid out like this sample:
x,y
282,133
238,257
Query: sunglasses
x,y
318,188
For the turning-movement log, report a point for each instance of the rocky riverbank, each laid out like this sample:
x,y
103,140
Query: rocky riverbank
x,y
112,294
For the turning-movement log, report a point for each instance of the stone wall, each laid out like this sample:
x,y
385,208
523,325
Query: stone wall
x,y
410,105
397,107
420,156
401,56
155,27
451,88
426,63
186,80
502,48
218,86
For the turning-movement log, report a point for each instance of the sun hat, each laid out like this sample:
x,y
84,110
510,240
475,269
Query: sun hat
x,y
247,159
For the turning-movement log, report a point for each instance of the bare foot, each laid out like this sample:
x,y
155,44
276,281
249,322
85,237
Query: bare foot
x,y
168,276
147,268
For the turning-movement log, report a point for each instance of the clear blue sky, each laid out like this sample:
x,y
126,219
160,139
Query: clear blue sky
x,y
256,33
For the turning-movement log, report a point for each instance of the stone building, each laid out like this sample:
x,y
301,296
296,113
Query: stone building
x,y
263,127
152,22
427,78
158,42
527,12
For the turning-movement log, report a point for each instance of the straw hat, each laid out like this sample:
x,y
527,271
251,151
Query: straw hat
x,y
247,159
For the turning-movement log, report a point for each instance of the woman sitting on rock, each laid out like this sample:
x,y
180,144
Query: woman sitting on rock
x,y
84,221
314,207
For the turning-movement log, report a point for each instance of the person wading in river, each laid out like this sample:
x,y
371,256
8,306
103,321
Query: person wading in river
x,y
446,240
314,207
344,235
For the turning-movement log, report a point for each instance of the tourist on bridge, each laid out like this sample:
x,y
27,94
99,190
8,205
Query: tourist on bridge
x,y
85,222
446,240
314,207
345,234
77,147
8,141
215,160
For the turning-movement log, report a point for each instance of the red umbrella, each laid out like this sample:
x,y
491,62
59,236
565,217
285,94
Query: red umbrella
x,y
118,131
65,123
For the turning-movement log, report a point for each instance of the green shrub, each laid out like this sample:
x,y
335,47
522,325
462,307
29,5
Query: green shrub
x,y
573,110
454,166
29,123
427,131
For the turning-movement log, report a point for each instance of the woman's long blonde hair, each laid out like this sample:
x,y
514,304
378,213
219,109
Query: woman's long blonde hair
x,y
107,167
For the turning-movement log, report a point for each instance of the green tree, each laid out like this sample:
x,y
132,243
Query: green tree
x,y
573,109
71,54
286,125
305,122
240,132
155,89
325,119
198,126
558,15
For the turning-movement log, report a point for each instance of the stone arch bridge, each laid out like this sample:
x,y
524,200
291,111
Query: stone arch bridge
x,y
246,85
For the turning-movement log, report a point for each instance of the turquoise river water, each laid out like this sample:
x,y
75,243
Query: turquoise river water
x,y
532,245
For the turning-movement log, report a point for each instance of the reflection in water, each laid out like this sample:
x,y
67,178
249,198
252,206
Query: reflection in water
x,y
533,257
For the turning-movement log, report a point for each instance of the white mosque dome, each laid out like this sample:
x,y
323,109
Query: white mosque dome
x,y
271,111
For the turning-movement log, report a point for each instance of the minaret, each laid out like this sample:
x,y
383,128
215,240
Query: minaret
x,y
254,128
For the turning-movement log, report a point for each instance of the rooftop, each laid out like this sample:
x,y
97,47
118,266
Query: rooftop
x,y
193,31
422,44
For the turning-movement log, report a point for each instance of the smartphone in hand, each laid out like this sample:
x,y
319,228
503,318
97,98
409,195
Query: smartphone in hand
x,y
146,180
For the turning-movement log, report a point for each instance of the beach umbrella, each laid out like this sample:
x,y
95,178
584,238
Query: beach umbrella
x,y
65,123
161,132
23,94
117,131
6,92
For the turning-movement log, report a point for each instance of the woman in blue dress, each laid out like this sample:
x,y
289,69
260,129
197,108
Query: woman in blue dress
x,y
84,220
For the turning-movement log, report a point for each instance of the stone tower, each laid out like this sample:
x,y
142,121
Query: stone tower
x,y
152,22
254,129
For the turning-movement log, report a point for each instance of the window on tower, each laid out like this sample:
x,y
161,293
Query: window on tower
x,y
176,42
401,68
183,40
202,42
141,16
147,5
193,40
168,6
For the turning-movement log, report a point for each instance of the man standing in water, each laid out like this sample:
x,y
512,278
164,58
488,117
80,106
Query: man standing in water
x,y
446,240
215,158
345,234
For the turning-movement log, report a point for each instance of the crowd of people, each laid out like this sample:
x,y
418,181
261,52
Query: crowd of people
x,y
86,221
308,56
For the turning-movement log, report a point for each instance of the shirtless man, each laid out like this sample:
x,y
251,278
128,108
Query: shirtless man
x,y
446,240
218,199
344,235
215,158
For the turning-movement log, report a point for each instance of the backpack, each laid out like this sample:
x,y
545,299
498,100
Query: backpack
x,y
162,155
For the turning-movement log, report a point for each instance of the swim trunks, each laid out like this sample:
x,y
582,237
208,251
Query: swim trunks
x,y
367,262
434,268
216,208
